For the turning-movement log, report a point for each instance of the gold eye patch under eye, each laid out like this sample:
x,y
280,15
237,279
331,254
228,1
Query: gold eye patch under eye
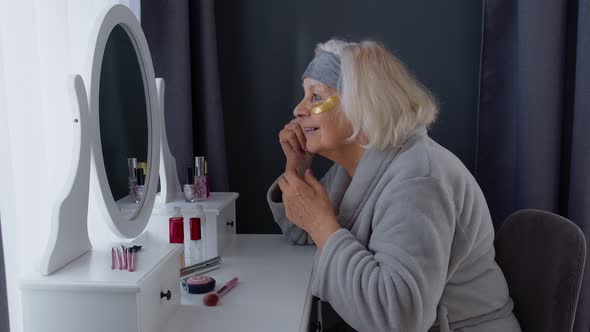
x,y
321,107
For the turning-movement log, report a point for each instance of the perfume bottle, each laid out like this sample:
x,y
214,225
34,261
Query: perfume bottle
x,y
195,244
139,189
207,180
132,180
200,179
189,189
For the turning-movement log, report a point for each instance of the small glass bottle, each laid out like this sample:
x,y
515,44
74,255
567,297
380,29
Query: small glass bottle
x,y
200,179
189,189
207,180
132,180
176,226
176,231
195,244
139,189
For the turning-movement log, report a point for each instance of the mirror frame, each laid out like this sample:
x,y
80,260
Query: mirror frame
x,y
119,224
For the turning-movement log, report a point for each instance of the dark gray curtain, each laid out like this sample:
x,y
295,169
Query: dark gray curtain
x,y
534,113
181,36
4,319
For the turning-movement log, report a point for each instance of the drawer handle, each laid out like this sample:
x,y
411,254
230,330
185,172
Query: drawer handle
x,y
167,295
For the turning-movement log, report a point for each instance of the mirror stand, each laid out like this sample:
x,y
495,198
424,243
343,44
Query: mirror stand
x,y
170,188
68,238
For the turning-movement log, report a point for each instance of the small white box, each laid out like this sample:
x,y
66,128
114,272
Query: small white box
x,y
218,228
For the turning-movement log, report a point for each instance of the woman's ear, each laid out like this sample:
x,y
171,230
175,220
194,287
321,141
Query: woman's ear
x,y
362,138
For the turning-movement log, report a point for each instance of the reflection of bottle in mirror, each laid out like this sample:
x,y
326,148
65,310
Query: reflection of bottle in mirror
x,y
143,166
200,179
176,231
195,244
132,165
139,189
189,190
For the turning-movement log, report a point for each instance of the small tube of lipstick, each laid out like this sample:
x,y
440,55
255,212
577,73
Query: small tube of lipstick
x,y
124,250
120,255
131,266
113,259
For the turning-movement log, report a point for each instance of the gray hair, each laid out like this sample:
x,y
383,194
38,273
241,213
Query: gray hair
x,y
380,98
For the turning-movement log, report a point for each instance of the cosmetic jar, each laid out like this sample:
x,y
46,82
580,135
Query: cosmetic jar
x,y
189,190
198,284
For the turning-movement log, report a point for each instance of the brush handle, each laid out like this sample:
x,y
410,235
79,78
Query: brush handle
x,y
231,284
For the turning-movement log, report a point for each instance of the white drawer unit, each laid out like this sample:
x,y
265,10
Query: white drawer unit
x,y
86,295
218,229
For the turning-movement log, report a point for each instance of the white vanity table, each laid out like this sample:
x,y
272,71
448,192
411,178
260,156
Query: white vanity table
x,y
272,295
77,290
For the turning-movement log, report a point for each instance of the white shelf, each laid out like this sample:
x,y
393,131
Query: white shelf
x,y
93,270
215,203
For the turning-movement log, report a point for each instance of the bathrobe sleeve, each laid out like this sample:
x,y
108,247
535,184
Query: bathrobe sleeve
x,y
395,283
294,233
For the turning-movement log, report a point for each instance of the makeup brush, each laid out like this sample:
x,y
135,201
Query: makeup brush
x,y
211,299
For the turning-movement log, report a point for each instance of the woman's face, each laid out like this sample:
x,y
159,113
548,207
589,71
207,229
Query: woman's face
x,y
325,132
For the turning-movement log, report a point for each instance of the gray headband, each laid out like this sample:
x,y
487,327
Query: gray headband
x,y
325,67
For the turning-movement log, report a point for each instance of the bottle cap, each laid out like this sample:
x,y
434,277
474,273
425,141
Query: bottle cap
x,y
143,166
195,224
199,166
176,230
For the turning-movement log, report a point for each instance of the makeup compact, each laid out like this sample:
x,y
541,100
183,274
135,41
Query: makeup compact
x,y
198,284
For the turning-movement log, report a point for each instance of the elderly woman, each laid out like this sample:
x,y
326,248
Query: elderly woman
x,y
404,235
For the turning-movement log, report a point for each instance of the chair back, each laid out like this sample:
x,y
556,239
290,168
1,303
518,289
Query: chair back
x,y
542,256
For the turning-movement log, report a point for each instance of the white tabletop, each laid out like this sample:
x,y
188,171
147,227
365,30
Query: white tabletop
x,y
272,294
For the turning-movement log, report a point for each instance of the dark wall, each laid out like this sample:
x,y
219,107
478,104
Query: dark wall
x,y
265,45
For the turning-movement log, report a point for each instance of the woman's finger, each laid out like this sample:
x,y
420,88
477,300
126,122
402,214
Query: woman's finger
x,y
288,149
295,143
295,183
300,135
312,181
295,129
291,176
284,135
283,184
289,138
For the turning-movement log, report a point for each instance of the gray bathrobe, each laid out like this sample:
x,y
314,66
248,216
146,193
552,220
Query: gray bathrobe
x,y
415,251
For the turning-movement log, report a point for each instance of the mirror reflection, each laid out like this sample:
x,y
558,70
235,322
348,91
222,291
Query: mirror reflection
x,y
123,121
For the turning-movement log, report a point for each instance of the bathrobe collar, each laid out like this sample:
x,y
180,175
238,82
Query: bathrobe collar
x,y
367,174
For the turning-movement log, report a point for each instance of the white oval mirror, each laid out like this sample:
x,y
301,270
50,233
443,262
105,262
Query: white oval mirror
x,y
124,108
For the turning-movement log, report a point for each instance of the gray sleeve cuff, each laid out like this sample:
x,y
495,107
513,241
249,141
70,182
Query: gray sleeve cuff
x,y
341,237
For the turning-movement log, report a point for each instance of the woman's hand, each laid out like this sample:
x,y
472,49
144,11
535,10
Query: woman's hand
x,y
293,144
308,206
